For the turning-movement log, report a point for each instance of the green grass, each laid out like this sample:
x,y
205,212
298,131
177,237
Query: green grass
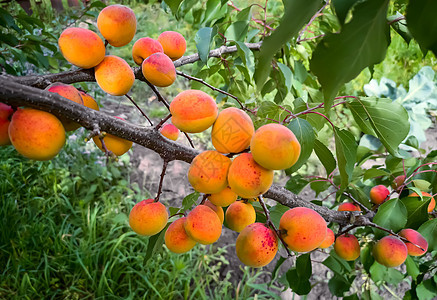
x,y
64,235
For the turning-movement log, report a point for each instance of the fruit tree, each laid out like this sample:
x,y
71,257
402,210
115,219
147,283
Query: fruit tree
x,y
276,88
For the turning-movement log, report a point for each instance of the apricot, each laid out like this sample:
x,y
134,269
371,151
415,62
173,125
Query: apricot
x,y
223,198
329,239
397,182
203,225
36,134
113,143
170,131
71,93
5,114
173,43
176,238
240,214
347,206
431,205
347,247
378,194
208,172
415,238
390,251
159,70
89,101
275,147
247,178
117,24
81,47
217,209
302,229
143,48
256,245
193,111
232,131
114,75
148,217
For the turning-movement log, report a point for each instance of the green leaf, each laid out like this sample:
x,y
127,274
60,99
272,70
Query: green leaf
x,y
392,214
247,57
298,278
378,272
268,109
426,290
382,118
173,4
296,183
276,213
154,244
287,75
237,31
429,232
305,135
297,13
361,43
338,285
421,184
422,23
417,210
346,150
342,8
214,10
325,156
412,267
366,257
372,173
190,200
203,40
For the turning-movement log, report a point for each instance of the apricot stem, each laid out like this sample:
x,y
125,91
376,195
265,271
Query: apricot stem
x,y
157,93
142,112
189,139
204,199
162,121
270,223
161,179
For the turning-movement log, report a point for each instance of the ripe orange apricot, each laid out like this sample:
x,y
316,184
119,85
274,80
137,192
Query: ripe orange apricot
x,y
247,178
223,198
81,47
159,70
114,75
117,24
173,43
143,48
89,101
217,209
176,239
390,251
378,194
5,114
347,247
193,111
240,214
256,245
347,206
36,134
148,217
203,225
275,147
170,131
415,238
232,131
302,229
71,93
431,205
113,143
329,239
208,172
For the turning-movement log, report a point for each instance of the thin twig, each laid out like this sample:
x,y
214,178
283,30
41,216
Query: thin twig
x,y
189,139
161,179
162,122
311,21
142,112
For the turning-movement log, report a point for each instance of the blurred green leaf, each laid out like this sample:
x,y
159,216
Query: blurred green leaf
x,y
429,232
392,214
417,211
203,40
346,150
422,23
173,4
305,135
412,267
325,156
190,200
342,8
296,183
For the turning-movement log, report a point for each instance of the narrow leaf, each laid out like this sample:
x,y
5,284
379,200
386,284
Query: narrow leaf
x,y
305,135
325,156
173,4
346,150
203,40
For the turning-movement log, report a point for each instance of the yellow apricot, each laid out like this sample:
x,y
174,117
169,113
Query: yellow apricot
x,y
378,194
176,238
347,247
36,134
5,114
256,245
208,172
159,70
203,225
232,131
275,147
390,251
117,24
193,111
223,198
113,143
302,229
148,217
143,48
173,43
248,179
114,75
329,239
240,214
81,47
170,131
89,101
